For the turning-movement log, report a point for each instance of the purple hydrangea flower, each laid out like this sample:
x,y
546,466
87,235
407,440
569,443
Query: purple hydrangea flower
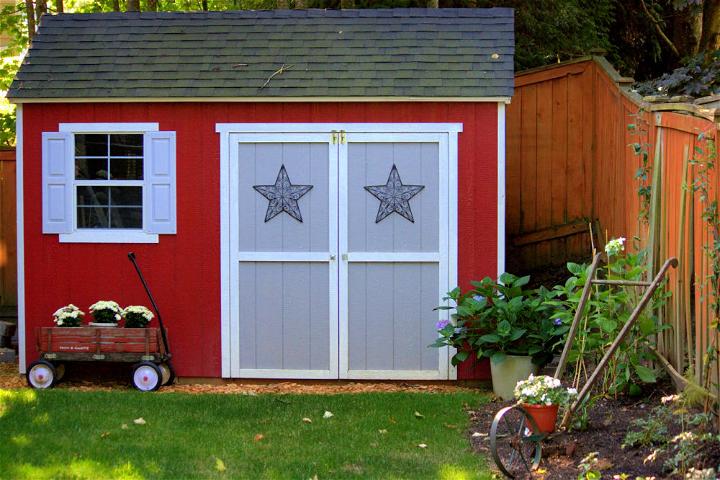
x,y
442,324
557,321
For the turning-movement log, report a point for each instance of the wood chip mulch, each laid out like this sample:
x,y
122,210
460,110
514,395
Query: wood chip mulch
x,y
105,377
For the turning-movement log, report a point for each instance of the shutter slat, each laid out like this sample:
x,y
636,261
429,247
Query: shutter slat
x,y
159,196
57,172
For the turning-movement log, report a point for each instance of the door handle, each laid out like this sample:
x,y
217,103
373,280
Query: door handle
x,y
332,257
345,257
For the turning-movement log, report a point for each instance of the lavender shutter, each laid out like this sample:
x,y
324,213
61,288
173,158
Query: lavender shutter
x,y
160,215
57,176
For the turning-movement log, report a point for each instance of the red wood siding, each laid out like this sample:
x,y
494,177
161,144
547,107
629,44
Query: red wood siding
x,y
183,270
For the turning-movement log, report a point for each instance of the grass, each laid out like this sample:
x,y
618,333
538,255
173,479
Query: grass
x,y
62,434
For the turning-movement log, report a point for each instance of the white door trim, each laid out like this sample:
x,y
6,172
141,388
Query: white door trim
x,y
231,134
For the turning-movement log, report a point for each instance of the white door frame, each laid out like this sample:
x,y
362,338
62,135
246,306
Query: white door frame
x,y
231,134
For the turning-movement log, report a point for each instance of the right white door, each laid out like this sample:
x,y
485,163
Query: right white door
x,y
394,243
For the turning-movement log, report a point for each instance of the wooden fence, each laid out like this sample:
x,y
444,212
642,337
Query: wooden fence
x,y
8,244
575,144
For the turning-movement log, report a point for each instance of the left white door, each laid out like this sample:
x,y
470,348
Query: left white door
x,y
283,310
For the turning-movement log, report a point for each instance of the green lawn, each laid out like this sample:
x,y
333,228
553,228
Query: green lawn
x,y
69,434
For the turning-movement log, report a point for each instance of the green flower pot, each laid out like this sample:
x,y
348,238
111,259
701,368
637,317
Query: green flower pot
x,y
507,372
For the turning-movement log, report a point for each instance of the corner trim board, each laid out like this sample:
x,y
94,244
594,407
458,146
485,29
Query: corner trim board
x,y
20,240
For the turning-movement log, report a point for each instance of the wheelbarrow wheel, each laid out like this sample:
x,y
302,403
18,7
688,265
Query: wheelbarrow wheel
x,y
515,442
147,377
168,374
41,374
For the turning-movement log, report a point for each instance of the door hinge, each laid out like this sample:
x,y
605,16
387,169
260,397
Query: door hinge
x,y
342,136
334,137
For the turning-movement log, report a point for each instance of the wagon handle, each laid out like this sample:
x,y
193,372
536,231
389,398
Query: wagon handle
x,y
131,256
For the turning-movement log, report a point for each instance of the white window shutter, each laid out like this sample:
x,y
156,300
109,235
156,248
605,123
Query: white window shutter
x,y
159,212
57,174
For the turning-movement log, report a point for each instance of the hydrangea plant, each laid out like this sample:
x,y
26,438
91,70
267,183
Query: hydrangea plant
x,y
106,311
68,316
543,390
137,316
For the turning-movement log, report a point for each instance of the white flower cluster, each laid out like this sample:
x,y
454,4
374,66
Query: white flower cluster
x,y
69,315
543,390
138,310
615,246
107,305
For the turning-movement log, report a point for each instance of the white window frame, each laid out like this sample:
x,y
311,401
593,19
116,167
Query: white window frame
x,y
109,235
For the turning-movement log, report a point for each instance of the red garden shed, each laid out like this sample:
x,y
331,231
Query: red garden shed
x,y
301,187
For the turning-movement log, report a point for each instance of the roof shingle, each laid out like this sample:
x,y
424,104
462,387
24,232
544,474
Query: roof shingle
x,y
326,53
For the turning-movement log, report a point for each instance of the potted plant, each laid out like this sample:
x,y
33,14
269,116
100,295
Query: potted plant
x,y
68,316
541,396
106,313
502,321
137,316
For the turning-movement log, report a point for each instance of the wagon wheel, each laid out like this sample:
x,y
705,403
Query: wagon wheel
x,y
515,442
168,374
146,376
41,374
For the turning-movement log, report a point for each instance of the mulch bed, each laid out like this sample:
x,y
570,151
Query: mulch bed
x,y
98,376
608,423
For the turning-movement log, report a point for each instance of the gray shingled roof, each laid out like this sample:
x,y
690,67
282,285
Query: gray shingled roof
x,y
327,53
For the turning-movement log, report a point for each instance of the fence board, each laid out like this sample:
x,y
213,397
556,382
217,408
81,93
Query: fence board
x,y
8,230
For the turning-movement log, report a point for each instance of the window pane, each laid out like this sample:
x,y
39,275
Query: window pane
x,y
92,217
124,217
91,145
126,145
126,196
91,168
126,168
91,196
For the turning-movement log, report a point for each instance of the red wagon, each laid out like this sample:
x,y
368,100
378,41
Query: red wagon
x,y
143,347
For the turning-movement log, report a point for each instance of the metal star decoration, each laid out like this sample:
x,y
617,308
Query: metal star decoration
x,y
394,196
283,196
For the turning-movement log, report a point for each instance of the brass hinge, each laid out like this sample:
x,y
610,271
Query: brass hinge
x,y
342,136
334,137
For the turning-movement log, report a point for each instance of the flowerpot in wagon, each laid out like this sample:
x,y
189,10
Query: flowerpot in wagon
x,y
508,371
545,416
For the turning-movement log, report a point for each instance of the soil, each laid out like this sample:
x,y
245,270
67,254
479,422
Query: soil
x,y
608,422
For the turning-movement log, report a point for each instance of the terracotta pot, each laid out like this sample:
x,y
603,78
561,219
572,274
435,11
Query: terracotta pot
x,y
545,416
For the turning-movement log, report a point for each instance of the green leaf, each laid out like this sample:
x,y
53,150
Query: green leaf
x,y
490,338
497,357
645,374
606,324
522,281
517,333
462,355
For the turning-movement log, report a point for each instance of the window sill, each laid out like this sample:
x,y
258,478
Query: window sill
x,y
109,236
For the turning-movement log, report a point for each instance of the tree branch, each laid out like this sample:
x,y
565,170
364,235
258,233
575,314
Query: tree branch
x,y
660,32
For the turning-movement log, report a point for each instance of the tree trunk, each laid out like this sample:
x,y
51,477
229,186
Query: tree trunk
x,y
152,5
345,4
433,4
710,39
30,11
59,8
282,4
133,6
300,4
204,5
40,10
116,5
686,29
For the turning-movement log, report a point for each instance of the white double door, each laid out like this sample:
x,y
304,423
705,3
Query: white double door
x,y
337,246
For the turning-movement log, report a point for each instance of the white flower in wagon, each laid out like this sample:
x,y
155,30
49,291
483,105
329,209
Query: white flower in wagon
x,y
137,316
68,316
106,311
